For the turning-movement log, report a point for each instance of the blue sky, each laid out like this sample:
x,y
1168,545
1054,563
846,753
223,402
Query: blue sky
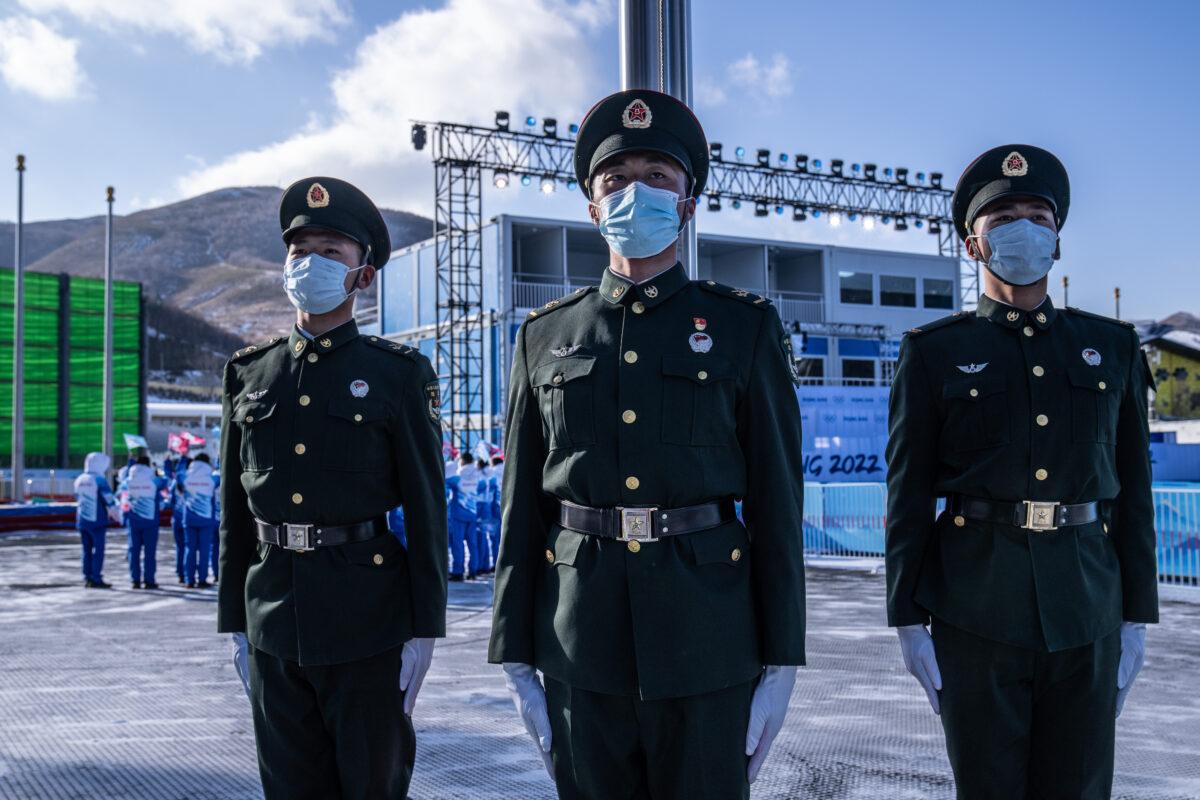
x,y
168,98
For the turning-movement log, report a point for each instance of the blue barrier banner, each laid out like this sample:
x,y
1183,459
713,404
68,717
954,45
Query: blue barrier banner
x,y
845,432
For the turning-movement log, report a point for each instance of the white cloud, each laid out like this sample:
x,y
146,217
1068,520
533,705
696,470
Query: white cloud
x,y
231,30
35,58
459,62
765,82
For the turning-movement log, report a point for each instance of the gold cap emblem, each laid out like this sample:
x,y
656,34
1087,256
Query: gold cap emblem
x,y
318,196
1014,165
636,115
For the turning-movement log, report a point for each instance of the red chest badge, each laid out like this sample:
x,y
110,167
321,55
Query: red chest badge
x,y
700,323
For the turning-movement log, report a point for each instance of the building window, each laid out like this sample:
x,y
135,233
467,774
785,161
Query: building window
x,y
897,291
811,370
858,371
939,293
856,288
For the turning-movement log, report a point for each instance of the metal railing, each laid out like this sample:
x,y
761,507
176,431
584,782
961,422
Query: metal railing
x,y
40,486
531,294
799,306
848,520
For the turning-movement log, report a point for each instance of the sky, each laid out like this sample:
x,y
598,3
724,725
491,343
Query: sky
x,y
166,99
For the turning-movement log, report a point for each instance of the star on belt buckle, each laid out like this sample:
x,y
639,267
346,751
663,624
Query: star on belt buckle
x,y
637,524
297,537
1040,516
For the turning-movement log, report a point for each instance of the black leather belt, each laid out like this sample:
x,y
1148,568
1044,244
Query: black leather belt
x,y
1034,515
291,536
644,524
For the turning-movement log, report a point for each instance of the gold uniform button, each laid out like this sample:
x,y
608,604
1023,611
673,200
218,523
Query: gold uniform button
x,y
297,498
634,546
1102,385
1039,371
377,558
300,448
305,399
557,379
629,416
358,417
312,358
249,418
638,307
702,375
1028,331
960,520
1043,420
736,555
974,393
549,556
632,482
630,356
1041,474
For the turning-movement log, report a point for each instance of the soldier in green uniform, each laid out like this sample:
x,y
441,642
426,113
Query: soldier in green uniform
x,y
323,432
668,632
1038,578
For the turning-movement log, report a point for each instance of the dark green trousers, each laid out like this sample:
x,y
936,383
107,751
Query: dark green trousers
x,y
615,747
1025,723
331,732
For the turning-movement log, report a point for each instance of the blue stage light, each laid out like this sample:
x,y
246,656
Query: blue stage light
x,y
531,121
856,167
920,177
573,127
739,151
572,185
887,171
737,204
918,224
526,180
853,217
816,213
816,165
783,158
779,210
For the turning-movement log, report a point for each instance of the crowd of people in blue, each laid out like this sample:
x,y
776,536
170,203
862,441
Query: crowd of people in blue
x,y
188,487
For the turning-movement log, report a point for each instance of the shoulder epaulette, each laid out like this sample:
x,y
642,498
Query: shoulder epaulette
x,y
1100,317
389,346
558,303
957,316
256,348
737,294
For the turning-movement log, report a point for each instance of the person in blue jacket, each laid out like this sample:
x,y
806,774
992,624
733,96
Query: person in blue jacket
x,y
200,521
496,481
177,473
484,496
94,498
461,507
142,491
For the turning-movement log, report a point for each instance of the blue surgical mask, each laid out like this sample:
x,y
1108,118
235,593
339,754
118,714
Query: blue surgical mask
x,y
315,284
1022,252
639,221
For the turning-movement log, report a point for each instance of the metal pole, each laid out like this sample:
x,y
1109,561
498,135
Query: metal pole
x,y
18,384
1066,282
656,53
107,442
1117,300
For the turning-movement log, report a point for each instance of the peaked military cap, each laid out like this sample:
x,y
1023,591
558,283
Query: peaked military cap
x,y
335,205
641,119
1008,171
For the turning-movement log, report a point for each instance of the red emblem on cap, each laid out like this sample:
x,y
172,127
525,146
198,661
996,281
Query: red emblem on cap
x,y
700,323
1014,165
636,115
318,196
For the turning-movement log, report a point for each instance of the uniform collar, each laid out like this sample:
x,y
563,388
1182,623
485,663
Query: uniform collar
x,y
299,344
617,289
1012,317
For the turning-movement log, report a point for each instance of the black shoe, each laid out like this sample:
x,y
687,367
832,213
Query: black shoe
x,y
137,584
102,585
151,585
456,578
203,585
181,580
191,586
89,585
470,576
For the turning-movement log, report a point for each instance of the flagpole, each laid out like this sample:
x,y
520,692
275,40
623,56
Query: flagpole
x,y
18,384
107,442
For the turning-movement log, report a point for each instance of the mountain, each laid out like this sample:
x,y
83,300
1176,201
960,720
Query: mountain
x,y
1183,321
210,267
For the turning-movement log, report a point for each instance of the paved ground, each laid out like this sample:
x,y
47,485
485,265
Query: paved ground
x,y
126,694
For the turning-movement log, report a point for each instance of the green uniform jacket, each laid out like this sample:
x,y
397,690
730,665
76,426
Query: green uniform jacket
x,y
1010,405
611,405
332,432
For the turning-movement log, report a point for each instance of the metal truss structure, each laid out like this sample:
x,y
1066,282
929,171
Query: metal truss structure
x,y
463,153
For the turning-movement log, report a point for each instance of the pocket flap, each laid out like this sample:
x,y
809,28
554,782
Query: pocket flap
x,y
562,370
728,544
703,370
973,387
1091,378
357,410
381,551
565,545
253,412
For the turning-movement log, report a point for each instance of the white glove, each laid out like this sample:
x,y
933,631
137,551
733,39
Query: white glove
x,y
414,663
920,659
241,660
767,712
1133,655
530,699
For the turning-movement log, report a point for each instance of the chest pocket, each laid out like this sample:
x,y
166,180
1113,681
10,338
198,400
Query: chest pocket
x,y
1095,404
977,414
564,388
257,422
356,435
699,400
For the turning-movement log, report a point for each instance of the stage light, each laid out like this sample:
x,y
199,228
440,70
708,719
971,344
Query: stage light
x,y
779,210
801,162
853,216
740,152
901,174
901,224
798,214
737,204
573,128
502,120
918,224
886,220
714,202
816,213
835,167
868,223
869,171
500,181
935,226
920,177
419,136
887,172
572,185
783,158
760,208
550,127
526,180
764,158
935,178
715,151
548,185
857,168
530,122
835,219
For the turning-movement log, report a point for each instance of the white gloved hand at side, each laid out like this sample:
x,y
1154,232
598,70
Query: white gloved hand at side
x,y
916,645
768,709
241,660
414,663
530,700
